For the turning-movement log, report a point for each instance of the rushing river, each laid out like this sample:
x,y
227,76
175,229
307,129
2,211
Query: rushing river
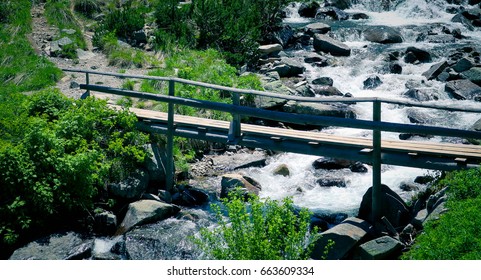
x,y
411,17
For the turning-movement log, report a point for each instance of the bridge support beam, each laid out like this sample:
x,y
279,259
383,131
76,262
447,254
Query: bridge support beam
x,y
376,166
169,168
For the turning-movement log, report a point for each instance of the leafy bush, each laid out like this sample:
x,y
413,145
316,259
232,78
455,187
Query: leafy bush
x,y
123,21
258,230
87,7
54,167
463,184
453,237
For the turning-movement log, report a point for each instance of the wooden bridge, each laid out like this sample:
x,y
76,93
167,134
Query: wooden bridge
x,y
374,151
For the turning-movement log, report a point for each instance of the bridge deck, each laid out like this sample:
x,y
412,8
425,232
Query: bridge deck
x,y
458,153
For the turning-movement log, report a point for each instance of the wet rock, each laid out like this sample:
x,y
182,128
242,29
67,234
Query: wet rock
x,y
473,74
332,164
309,10
463,90
345,235
323,81
332,13
391,204
331,182
340,4
418,95
382,248
395,68
146,211
382,35
414,54
270,49
55,247
463,64
315,58
435,70
463,20
319,109
327,44
359,16
358,167
230,182
317,28
284,36
155,164
417,116
282,170
288,67
372,82
424,180
409,187
132,187
165,196
305,90
105,223
191,197
327,91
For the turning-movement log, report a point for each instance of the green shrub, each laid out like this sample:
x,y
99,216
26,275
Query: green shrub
x,y
53,167
256,230
455,236
463,184
87,7
123,21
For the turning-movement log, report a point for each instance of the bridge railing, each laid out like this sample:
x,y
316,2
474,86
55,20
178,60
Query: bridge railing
x,y
376,124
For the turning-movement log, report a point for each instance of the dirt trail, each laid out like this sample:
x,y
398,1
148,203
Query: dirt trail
x,y
41,37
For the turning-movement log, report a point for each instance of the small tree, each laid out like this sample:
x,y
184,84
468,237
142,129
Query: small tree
x,y
256,230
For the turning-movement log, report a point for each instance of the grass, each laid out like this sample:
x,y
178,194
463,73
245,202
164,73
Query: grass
x,y
58,14
20,68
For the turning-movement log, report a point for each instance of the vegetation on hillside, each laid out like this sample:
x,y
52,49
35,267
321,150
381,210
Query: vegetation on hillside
x,y
20,68
455,236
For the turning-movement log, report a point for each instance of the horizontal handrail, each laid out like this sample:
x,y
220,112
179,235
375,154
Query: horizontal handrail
x,y
290,117
406,103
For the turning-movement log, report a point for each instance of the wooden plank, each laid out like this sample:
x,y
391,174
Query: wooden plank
x,y
411,147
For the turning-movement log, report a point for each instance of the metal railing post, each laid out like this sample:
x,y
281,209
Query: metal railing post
x,y
87,82
235,125
376,165
170,170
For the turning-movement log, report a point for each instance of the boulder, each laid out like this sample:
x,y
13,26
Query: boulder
x,y
282,170
331,164
464,64
382,248
382,35
345,236
463,89
418,95
105,223
131,188
340,4
191,197
270,49
146,211
155,164
327,44
359,16
392,207
230,182
309,10
332,13
315,58
288,67
435,70
323,81
317,28
463,20
372,82
331,182
473,74
319,109
395,68
55,247
417,54
327,91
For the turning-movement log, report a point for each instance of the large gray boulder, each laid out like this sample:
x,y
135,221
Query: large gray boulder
x,y
155,164
473,74
391,204
383,35
230,182
319,109
463,90
382,248
146,211
324,43
346,235
436,69
270,49
289,67
67,246
317,28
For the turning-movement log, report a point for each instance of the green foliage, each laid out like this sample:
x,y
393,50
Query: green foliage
x,y
453,237
64,153
87,7
256,230
123,21
20,68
